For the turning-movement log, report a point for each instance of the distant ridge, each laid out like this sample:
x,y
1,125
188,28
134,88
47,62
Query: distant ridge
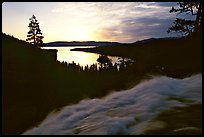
x,y
81,43
100,43
154,39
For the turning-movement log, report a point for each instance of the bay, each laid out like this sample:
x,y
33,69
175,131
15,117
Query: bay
x,y
79,57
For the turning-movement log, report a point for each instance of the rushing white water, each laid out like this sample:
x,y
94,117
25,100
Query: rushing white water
x,y
124,112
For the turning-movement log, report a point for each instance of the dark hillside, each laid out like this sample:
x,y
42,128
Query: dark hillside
x,y
172,57
26,81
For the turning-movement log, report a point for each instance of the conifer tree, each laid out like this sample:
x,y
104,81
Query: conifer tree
x,y
187,26
34,34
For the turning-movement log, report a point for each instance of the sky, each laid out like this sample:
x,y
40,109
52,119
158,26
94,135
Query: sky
x,y
124,22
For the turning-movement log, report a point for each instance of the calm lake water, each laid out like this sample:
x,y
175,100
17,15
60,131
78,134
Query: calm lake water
x,y
83,58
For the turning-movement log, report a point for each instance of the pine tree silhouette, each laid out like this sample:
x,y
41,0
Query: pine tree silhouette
x,y
34,34
187,26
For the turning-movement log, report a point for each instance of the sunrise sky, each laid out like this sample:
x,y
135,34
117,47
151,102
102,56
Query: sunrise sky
x,y
88,21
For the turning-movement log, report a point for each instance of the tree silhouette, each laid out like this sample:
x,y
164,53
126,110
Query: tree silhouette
x,y
187,26
103,60
34,34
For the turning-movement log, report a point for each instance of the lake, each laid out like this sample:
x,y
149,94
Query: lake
x,y
83,58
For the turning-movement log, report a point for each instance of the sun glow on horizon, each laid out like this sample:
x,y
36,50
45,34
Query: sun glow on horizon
x,y
81,33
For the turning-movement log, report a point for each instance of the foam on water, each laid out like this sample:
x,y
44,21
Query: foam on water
x,y
124,112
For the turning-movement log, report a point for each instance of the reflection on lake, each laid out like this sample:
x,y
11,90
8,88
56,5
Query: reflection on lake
x,y
83,58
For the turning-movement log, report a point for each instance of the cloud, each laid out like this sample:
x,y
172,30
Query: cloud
x,y
124,112
166,4
132,29
121,21
147,27
130,22
98,17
